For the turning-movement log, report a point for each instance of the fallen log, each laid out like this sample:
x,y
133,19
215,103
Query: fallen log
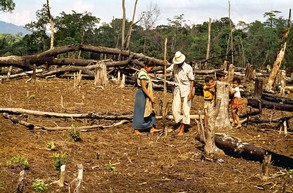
x,y
15,120
85,128
21,74
277,99
268,104
236,148
49,56
67,115
64,115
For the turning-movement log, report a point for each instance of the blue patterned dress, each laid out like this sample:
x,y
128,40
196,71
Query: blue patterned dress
x,y
140,122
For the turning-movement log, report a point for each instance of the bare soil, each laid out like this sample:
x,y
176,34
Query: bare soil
x,y
147,163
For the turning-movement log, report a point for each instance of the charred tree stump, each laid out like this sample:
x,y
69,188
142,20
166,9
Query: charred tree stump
x,y
249,72
265,167
258,88
236,148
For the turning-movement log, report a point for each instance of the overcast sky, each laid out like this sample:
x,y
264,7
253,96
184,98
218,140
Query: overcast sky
x,y
195,11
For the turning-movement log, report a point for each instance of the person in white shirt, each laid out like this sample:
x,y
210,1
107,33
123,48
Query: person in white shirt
x,y
183,91
236,103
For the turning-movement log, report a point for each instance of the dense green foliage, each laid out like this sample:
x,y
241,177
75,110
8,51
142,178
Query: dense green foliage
x,y
256,43
7,5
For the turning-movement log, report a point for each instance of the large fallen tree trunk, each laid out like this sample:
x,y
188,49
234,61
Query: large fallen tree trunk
x,y
268,104
236,148
49,56
277,99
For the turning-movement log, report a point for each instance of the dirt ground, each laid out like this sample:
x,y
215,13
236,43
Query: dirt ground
x,y
114,159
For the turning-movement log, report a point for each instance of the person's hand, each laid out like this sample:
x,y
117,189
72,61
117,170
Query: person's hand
x,y
190,96
152,99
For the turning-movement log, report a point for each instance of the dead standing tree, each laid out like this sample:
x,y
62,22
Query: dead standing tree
x,y
279,59
209,43
51,25
128,36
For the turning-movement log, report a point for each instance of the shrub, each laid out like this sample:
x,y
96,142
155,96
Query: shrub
x,y
110,167
51,146
18,161
39,185
59,159
74,134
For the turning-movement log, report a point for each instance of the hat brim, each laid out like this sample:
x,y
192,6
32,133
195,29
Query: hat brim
x,y
181,60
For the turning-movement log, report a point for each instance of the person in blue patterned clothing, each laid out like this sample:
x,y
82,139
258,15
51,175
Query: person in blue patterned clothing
x,y
144,118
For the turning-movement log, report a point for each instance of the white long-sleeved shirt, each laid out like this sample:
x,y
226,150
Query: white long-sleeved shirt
x,y
183,75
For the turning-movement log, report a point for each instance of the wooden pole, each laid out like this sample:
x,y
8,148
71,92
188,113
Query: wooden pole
x,y
209,43
231,35
165,86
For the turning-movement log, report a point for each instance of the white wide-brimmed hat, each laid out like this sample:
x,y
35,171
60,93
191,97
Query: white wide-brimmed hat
x,y
178,58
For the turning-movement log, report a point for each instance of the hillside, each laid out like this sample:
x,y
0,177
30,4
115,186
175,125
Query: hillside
x,y
9,28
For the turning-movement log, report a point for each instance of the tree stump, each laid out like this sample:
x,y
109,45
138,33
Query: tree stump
x,y
258,88
230,73
281,81
249,73
217,118
21,183
222,97
75,185
101,78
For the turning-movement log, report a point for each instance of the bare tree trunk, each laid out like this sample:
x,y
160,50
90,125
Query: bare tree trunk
x,y
210,148
123,25
275,70
230,73
243,53
51,26
209,43
231,37
165,86
130,28
279,59
282,82
222,117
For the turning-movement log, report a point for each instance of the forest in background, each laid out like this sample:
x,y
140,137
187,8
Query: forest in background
x,y
256,43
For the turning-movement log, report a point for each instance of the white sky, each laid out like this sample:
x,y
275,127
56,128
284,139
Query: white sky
x,y
195,11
